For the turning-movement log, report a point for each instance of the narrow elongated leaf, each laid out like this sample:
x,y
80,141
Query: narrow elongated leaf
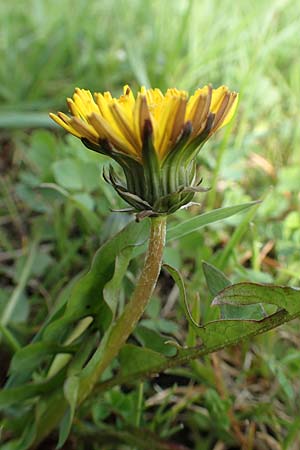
x,y
191,225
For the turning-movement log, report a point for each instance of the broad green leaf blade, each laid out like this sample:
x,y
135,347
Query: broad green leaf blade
x,y
71,387
134,359
216,282
241,294
191,225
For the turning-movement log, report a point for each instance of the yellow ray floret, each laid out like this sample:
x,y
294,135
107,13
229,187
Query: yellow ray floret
x,y
120,121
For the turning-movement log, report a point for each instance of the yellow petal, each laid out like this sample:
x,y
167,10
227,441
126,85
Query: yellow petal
x,y
121,121
217,98
107,96
81,106
105,131
64,125
74,110
64,117
154,97
84,129
193,100
124,123
126,103
127,98
166,124
87,99
220,111
103,102
229,113
224,109
200,109
178,122
140,115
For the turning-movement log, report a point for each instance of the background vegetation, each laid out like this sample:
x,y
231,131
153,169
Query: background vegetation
x,y
55,210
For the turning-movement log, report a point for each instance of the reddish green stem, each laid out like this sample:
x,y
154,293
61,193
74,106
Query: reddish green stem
x,y
118,332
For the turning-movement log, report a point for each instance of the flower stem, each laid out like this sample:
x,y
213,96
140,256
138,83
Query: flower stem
x,y
118,333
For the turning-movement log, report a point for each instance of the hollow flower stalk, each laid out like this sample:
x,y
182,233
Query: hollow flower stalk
x,y
154,137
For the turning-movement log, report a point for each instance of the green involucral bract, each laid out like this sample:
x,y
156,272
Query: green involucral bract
x,y
154,187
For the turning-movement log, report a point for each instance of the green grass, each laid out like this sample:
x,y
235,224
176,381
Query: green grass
x,y
55,211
